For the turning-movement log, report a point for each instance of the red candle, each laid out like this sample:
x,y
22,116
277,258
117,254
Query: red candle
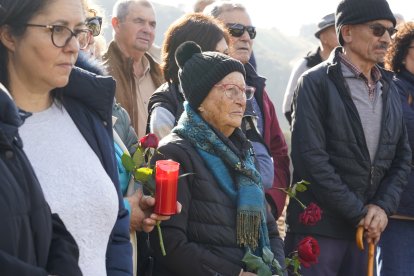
x,y
166,178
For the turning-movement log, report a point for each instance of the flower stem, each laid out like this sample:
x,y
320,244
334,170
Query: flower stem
x,y
300,202
160,237
292,195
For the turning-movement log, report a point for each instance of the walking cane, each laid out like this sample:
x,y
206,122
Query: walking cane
x,y
371,249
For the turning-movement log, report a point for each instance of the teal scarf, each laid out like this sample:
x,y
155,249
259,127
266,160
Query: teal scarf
x,y
235,173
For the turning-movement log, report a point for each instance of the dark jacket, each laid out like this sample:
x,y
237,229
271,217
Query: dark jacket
x,y
329,150
122,125
405,83
313,58
274,140
201,240
88,99
32,240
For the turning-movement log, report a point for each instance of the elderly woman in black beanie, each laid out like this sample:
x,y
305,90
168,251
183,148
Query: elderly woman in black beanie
x,y
224,216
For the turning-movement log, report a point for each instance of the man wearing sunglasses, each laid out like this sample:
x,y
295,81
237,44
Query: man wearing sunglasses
x,y
260,122
349,140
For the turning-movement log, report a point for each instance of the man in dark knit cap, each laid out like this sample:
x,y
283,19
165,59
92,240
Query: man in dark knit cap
x,y
349,141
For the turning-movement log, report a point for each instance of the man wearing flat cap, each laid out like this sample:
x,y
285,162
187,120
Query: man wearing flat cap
x,y
349,141
327,42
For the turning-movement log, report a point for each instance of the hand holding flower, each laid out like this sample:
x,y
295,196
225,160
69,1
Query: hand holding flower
x,y
150,220
143,216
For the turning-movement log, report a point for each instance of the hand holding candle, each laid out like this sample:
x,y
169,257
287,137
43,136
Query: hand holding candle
x,y
166,178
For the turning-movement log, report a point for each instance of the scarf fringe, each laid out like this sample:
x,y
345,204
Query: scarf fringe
x,y
248,225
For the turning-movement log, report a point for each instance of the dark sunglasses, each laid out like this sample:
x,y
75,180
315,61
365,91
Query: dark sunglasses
x,y
237,30
94,24
378,30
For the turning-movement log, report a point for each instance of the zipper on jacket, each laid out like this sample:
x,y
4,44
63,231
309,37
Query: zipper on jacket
x,y
371,173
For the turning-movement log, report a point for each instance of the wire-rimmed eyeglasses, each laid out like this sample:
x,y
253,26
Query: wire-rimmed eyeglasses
x,y
233,91
61,35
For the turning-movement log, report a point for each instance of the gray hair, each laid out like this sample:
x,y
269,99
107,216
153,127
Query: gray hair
x,y
121,7
219,7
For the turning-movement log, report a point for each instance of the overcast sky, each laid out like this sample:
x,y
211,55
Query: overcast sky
x,y
289,15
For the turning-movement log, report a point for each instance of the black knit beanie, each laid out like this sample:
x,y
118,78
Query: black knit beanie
x,y
200,71
351,12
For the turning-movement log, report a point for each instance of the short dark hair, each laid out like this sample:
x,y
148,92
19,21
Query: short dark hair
x,y
203,29
399,47
15,14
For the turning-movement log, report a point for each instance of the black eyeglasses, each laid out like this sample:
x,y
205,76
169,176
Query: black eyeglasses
x,y
94,24
378,30
61,35
237,30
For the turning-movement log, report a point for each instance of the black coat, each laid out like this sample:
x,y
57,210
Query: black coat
x,y
32,240
329,150
201,240
405,83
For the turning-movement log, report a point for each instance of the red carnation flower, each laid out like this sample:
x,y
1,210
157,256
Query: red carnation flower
x,y
311,215
149,141
308,251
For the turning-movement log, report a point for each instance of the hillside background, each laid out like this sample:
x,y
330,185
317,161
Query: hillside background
x,y
275,52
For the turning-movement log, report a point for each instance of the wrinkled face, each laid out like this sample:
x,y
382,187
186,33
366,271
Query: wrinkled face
x,y
240,48
364,45
34,60
222,112
137,31
222,46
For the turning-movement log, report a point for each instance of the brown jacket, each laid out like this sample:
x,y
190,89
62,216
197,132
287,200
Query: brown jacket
x,y
120,68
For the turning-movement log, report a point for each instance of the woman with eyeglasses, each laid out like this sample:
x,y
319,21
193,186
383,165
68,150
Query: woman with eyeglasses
x,y
397,241
97,43
166,104
32,240
67,134
224,215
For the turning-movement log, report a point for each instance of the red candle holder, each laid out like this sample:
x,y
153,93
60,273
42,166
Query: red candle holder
x,y
166,178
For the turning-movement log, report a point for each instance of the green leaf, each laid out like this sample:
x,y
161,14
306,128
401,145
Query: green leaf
x,y
143,174
256,264
277,266
138,157
264,271
127,162
296,264
301,187
252,262
267,255
304,182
